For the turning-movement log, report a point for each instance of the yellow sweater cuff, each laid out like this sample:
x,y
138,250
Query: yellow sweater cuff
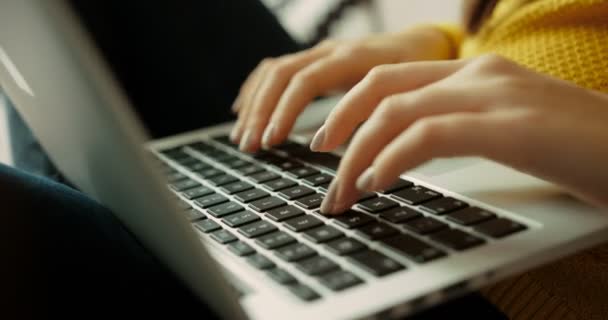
x,y
455,35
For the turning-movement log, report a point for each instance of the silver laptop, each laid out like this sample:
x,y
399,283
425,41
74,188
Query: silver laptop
x,y
243,230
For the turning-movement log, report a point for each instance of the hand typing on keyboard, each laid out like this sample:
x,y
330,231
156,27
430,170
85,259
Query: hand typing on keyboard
x,y
487,107
280,88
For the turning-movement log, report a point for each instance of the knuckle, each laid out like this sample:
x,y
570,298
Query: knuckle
x,y
427,131
266,62
388,109
280,71
351,50
377,75
493,64
302,80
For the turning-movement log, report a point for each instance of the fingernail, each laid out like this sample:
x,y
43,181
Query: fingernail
x,y
235,106
268,135
328,203
366,180
246,141
318,140
234,134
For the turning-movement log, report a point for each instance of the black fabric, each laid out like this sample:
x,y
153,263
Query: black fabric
x,y
182,62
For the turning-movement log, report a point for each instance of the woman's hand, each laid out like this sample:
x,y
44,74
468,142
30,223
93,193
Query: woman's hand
x,y
488,107
277,91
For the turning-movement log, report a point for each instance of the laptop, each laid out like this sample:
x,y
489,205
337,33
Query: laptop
x,y
243,231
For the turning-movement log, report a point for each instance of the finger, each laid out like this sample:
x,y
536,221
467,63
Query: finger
x,y
245,97
273,85
381,82
327,74
447,135
393,116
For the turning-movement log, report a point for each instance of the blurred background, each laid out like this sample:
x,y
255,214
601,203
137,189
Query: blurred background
x,y
308,20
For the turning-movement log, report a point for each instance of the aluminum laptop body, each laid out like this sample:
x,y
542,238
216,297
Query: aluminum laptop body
x,y
67,94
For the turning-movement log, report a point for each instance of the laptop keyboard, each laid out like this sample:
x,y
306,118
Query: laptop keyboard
x,y
263,207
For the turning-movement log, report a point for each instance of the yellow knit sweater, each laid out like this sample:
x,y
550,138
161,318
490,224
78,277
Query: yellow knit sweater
x,y
567,39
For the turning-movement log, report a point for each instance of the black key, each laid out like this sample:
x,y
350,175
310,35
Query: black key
x,y
194,214
413,248
457,239
207,226
344,246
295,252
296,192
264,176
400,184
241,249
293,148
210,200
443,205
175,153
259,261
352,219
324,187
225,140
223,236
302,223
202,147
197,192
323,159
284,164
249,170
236,187
210,173
224,209
184,185
175,177
229,159
310,202
217,155
377,230
302,172
339,280
281,276
222,180
267,157
400,215
240,218
378,204
250,195
275,240
318,179
366,196
425,225
257,229
304,292
198,166
416,195
266,204
237,163
375,263
499,228
316,266
284,213
323,234
187,161
470,216
280,184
